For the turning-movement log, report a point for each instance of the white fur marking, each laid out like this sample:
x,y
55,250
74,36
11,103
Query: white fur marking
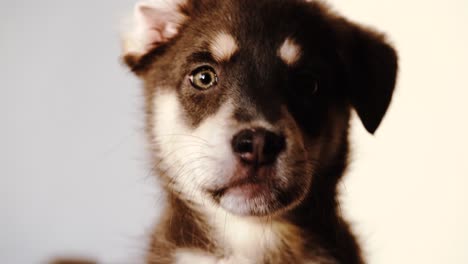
x,y
223,47
247,238
289,52
195,158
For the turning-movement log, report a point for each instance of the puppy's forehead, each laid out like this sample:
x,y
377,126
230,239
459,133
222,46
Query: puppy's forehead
x,y
262,30
224,46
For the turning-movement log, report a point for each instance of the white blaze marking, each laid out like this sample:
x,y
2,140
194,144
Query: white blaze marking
x,y
289,52
223,47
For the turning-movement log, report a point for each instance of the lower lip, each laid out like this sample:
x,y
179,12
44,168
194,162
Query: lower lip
x,y
247,190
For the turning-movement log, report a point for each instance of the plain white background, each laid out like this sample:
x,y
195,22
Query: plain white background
x,y
74,178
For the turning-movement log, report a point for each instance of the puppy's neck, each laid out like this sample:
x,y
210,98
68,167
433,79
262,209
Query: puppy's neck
x,y
253,239
208,229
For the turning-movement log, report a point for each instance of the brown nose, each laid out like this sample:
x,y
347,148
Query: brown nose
x,y
258,146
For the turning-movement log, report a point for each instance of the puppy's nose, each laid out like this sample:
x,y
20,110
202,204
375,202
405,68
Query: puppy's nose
x,y
258,146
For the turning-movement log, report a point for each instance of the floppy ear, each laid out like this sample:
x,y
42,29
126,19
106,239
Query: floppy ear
x,y
154,23
370,68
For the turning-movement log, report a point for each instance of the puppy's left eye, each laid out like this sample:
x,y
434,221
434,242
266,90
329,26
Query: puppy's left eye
x,y
307,84
203,78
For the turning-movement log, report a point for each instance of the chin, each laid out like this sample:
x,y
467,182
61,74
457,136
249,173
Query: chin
x,y
263,191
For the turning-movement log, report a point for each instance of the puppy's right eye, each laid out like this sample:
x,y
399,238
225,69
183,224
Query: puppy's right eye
x,y
203,78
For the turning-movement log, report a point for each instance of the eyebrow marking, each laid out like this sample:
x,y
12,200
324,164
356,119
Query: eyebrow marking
x,y
290,51
223,47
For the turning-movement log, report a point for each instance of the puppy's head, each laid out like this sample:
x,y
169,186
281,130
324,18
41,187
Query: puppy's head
x,y
248,101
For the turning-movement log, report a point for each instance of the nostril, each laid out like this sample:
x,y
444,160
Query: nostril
x,y
243,142
244,146
274,143
273,146
258,146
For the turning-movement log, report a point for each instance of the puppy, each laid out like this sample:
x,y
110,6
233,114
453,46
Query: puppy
x,y
247,112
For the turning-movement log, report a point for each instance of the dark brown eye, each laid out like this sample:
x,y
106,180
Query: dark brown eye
x,y
203,78
305,85
315,87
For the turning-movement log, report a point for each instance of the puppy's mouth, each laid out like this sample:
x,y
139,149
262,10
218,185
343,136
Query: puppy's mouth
x,y
247,181
252,190
267,176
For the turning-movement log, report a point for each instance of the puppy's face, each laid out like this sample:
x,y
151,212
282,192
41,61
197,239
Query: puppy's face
x,y
248,100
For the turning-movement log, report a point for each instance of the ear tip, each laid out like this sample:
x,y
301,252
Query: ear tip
x,y
371,121
371,129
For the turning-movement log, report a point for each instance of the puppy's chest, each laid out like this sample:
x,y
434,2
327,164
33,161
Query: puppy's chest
x,y
252,241
248,241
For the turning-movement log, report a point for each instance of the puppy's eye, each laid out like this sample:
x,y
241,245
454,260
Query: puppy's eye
x,y
306,84
314,87
203,78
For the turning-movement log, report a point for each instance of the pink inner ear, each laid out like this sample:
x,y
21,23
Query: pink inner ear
x,y
159,24
153,37
170,30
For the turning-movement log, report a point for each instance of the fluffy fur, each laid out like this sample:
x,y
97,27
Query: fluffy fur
x,y
247,111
